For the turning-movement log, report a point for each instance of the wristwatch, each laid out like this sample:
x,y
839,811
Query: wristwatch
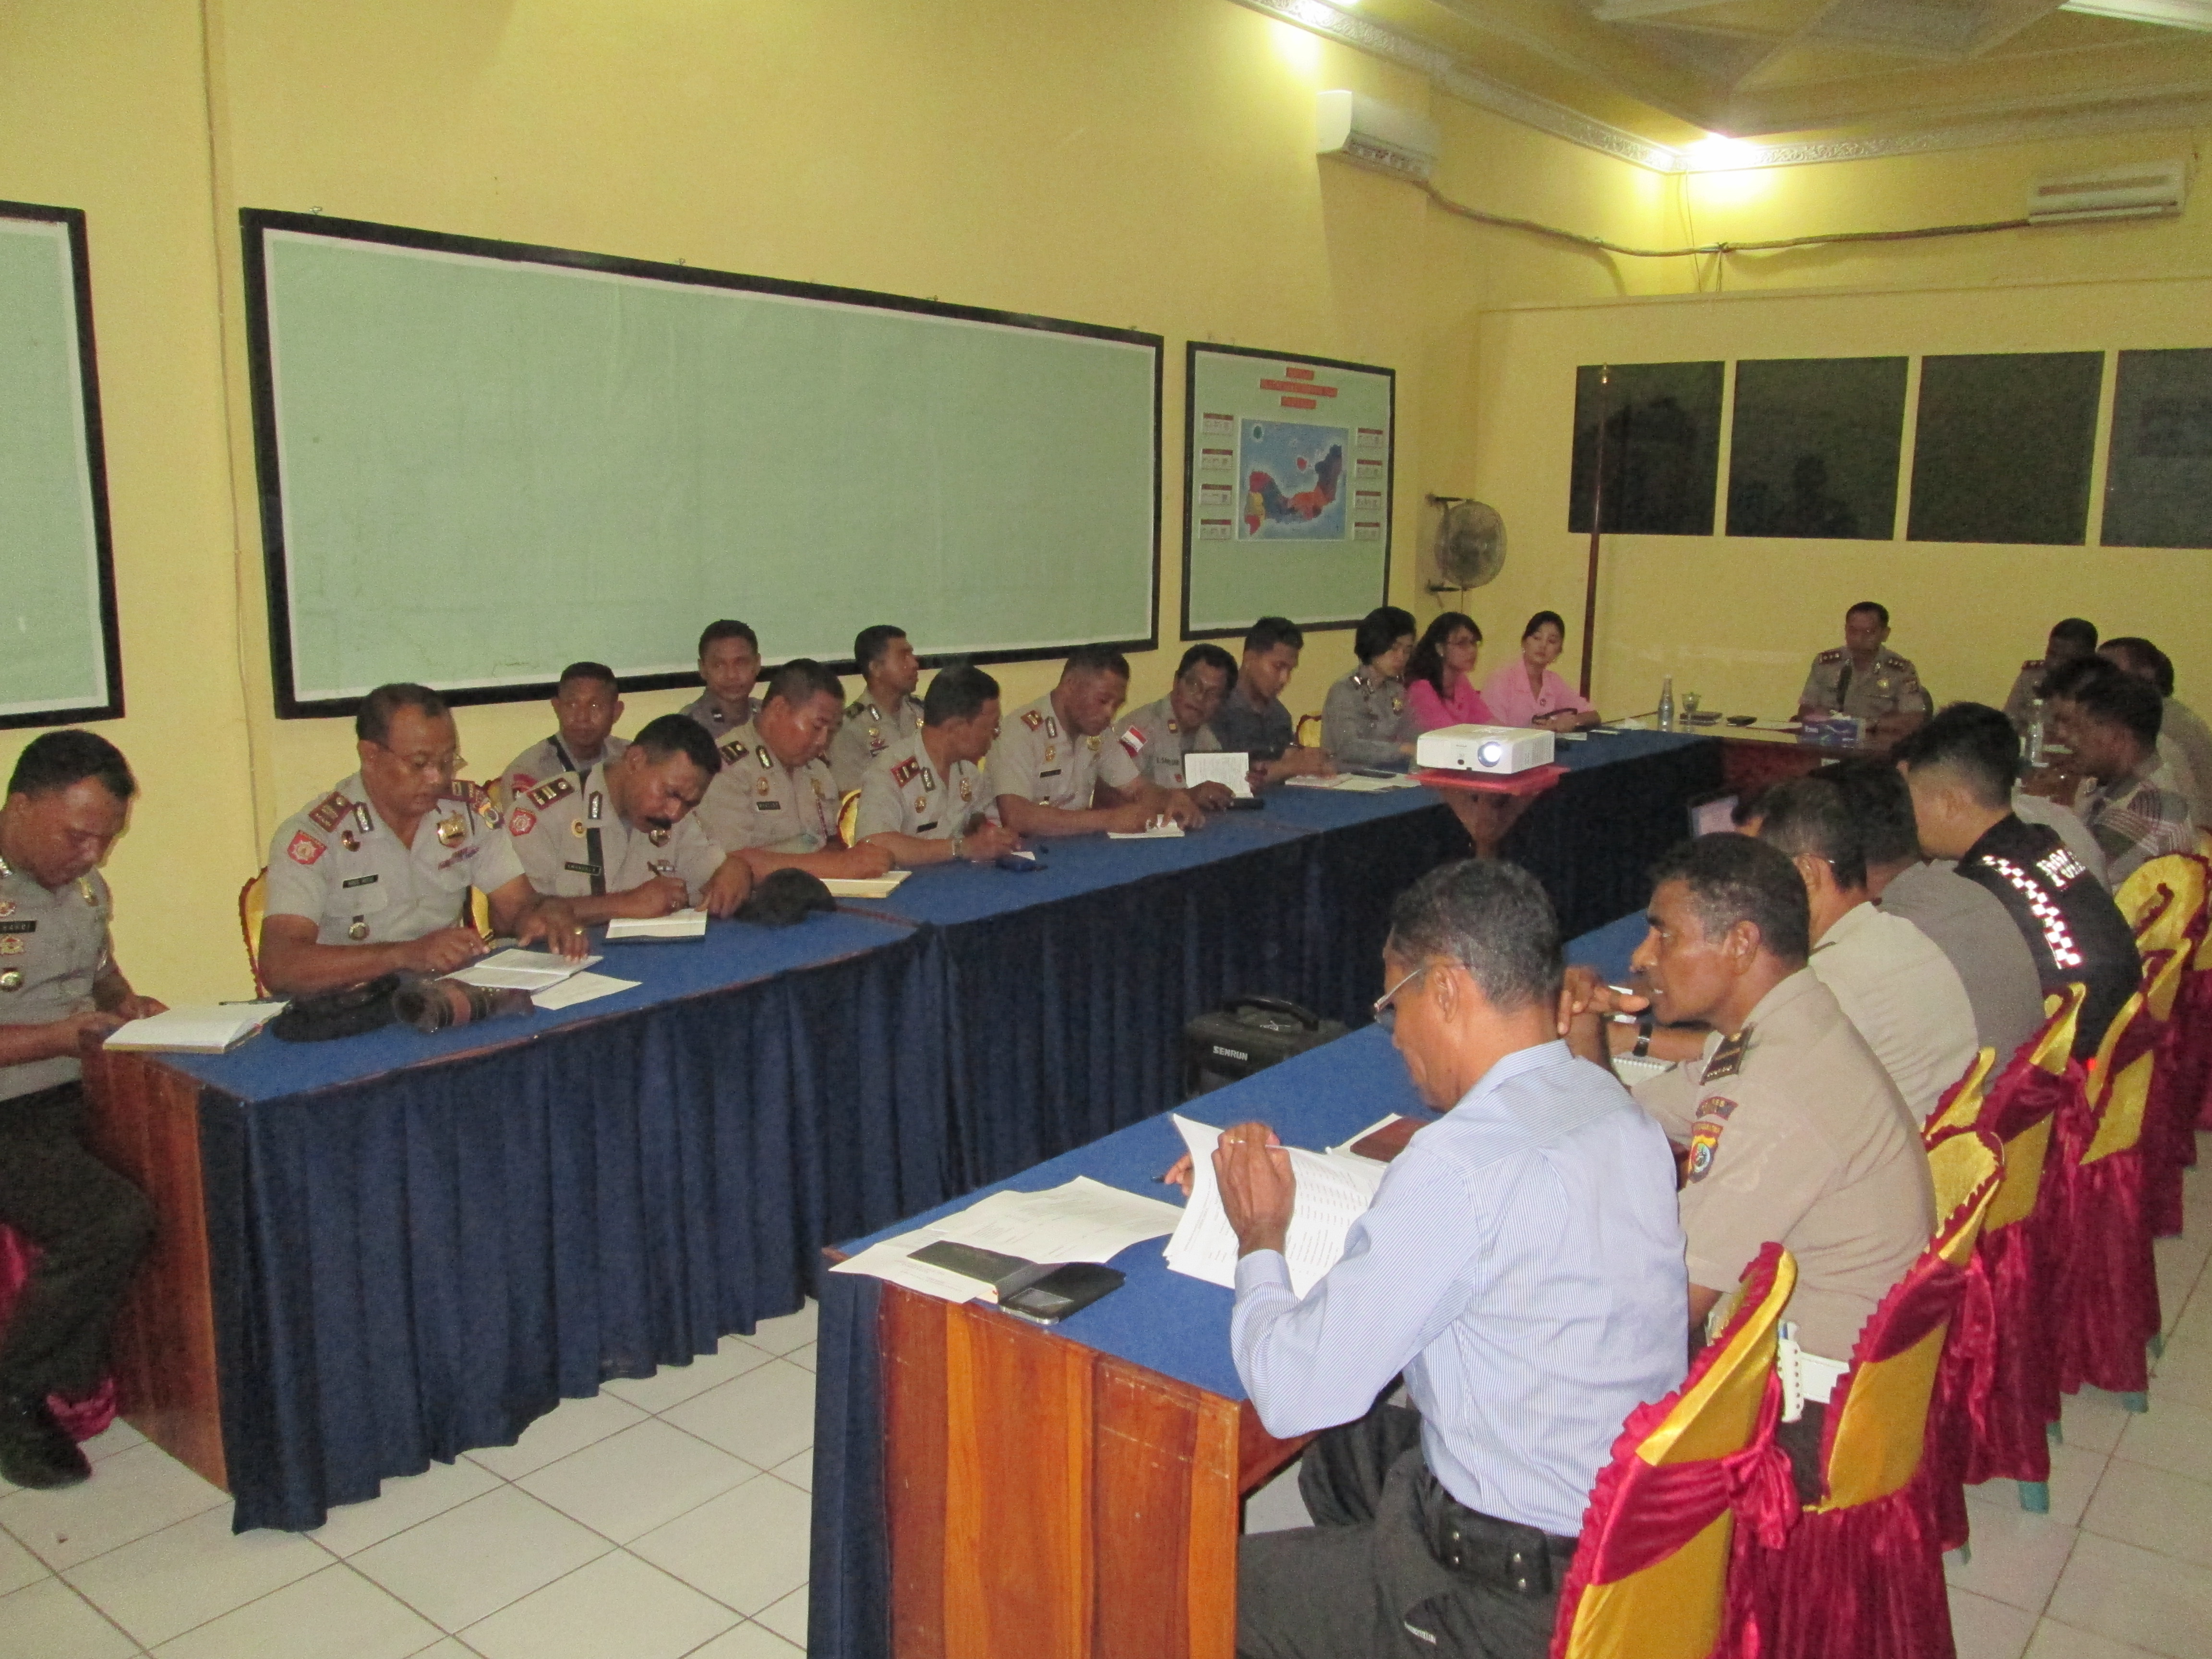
x,y
1644,1023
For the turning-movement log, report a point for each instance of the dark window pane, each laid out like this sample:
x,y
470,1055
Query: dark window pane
x,y
2158,484
1663,445
1817,445
2004,446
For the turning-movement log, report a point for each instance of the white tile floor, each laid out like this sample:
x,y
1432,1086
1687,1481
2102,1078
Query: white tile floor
x,y
669,1517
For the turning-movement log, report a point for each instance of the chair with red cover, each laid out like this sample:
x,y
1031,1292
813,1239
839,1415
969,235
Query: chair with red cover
x,y
2165,902
2107,1284
80,1418
1998,1388
1860,1575
1651,1575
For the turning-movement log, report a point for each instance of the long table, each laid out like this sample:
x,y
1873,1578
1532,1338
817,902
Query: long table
x,y
392,1248
984,1489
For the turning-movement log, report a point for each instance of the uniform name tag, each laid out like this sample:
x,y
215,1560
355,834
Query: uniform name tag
x,y
19,926
358,881
1050,772
768,806
583,869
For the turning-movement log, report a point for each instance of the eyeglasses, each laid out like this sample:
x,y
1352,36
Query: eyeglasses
x,y
1386,1011
430,766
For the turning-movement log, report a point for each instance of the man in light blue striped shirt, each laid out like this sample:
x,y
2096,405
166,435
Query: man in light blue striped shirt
x,y
1521,1266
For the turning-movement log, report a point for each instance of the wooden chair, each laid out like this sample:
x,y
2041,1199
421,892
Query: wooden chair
x,y
254,906
1650,1576
1860,1575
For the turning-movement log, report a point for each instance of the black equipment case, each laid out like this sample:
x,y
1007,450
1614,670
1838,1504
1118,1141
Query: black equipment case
x,y
1246,1035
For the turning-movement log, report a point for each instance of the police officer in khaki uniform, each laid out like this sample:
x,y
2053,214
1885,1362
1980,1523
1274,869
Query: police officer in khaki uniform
x,y
887,713
1363,719
1051,756
1792,1128
1157,737
2070,641
730,663
621,839
586,702
774,802
374,877
925,801
1865,679
60,993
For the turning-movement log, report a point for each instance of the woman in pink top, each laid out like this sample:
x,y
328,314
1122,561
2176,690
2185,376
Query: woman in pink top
x,y
1440,687
1528,692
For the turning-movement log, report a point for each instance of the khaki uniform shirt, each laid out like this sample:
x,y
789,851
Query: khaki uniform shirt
x,y
757,801
53,945
337,864
552,828
868,732
1039,760
701,708
902,794
1891,686
1150,743
1363,719
1966,922
1901,992
549,759
1796,1135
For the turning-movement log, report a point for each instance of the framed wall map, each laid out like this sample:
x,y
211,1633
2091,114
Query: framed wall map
x,y
1287,478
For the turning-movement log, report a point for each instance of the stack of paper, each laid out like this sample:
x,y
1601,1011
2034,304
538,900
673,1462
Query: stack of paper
x,y
581,988
521,971
1334,1192
1081,1220
211,1028
676,924
1231,768
1164,829
1356,783
866,886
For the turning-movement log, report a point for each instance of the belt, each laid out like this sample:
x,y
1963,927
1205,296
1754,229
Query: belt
x,y
1499,1555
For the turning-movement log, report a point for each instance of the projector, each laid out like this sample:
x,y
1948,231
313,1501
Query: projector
x,y
1496,748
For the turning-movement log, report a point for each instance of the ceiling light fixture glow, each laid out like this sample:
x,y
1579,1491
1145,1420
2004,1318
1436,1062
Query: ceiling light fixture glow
x,y
1720,154
2195,14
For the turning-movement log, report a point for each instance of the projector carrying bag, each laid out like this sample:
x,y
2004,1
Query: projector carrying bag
x,y
1246,1035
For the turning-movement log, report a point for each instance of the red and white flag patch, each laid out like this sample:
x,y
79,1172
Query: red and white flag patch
x,y
1133,740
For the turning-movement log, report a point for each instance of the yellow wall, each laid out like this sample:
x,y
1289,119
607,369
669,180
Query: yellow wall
x,y
1145,163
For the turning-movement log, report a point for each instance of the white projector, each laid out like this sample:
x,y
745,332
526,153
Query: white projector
x,y
1498,749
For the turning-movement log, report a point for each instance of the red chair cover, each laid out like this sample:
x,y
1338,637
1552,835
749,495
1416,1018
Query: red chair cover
x,y
81,1419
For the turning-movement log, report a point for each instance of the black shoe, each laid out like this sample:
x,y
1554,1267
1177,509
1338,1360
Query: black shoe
x,y
34,1450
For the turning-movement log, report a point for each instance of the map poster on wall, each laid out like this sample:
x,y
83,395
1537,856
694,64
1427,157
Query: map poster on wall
x,y
1287,489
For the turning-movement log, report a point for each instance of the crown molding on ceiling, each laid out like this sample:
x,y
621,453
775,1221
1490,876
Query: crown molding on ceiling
x,y
2177,108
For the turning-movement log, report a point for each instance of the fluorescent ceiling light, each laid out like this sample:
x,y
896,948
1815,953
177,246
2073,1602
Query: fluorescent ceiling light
x,y
1720,154
2173,13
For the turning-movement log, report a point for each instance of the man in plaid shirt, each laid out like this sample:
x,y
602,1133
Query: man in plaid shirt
x,y
2110,720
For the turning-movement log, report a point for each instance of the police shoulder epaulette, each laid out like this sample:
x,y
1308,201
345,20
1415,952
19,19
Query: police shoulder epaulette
x,y
329,812
1032,718
855,708
734,749
906,771
2030,666
1836,655
1728,1058
546,793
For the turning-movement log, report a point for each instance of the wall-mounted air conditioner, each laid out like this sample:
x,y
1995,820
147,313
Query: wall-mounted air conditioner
x,y
2145,191
1372,134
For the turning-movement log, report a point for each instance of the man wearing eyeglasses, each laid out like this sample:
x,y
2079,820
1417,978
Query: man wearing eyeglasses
x,y
374,877
1521,1266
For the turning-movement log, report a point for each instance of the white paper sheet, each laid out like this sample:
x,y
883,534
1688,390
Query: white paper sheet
x,y
521,971
866,886
204,1029
581,988
1080,1220
676,924
1355,783
1162,831
1232,770
1333,1194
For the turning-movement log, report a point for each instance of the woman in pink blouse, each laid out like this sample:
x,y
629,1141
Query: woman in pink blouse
x,y
1528,692
1440,688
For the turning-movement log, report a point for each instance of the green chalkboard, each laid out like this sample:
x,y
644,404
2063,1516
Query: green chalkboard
x,y
480,461
60,662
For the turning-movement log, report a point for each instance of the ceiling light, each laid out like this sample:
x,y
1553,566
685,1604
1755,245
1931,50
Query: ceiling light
x,y
1718,154
2173,13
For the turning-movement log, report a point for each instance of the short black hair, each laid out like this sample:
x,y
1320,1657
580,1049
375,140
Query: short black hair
x,y
1209,656
1492,918
1735,878
2106,692
61,760
2077,632
1972,740
1269,632
1882,806
590,671
1427,662
726,630
1811,816
1380,629
372,721
1879,609
958,693
801,680
871,643
2143,659
679,734
1095,660
1541,618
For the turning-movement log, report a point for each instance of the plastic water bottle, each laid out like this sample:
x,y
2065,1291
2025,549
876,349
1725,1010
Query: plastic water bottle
x,y
2035,738
1667,704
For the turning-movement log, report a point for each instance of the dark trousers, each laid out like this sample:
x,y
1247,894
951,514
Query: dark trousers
x,y
90,1226
1371,1579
